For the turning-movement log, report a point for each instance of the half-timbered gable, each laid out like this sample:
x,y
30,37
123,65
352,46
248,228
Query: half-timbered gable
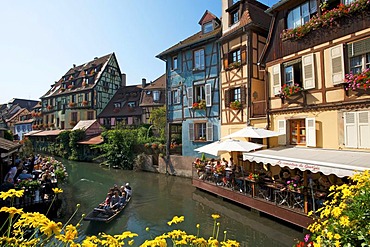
x,y
243,91
192,69
82,93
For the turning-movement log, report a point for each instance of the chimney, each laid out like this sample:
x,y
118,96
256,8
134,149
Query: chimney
x,y
74,65
143,82
95,58
123,77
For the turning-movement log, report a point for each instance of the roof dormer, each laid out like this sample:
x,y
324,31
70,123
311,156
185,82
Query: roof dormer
x,y
209,22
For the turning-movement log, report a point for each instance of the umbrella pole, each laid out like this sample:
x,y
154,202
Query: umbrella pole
x,y
244,183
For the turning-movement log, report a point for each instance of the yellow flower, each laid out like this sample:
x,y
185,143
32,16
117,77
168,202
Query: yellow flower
x,y
176,220
131,242
50,228
337,236
344,221
329,235
57,190
215,216
11,193
12,211
336,212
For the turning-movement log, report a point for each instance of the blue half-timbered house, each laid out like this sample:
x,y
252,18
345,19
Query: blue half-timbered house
x,y
192,86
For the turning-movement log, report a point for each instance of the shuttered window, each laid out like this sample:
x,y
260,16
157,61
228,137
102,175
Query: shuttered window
x,y
208,95
209,131
337,64
191,131
190,97
310,132
276,79
282,131
308,67
357,129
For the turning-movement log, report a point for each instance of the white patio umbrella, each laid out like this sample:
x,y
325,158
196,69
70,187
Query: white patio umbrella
x,y
252,132
230,145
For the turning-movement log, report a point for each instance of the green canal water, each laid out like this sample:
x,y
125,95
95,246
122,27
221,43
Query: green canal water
x,y
157,198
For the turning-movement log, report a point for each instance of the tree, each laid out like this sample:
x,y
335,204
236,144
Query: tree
x,y
158,118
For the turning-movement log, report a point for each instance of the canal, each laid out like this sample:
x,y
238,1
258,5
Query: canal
x,y
157,198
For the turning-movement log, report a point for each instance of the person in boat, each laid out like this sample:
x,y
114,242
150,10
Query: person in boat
x,y
123,197
106,204
128,190
115,201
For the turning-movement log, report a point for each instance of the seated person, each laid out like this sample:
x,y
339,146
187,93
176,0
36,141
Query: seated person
x,y
25,175
123,198
324,182
115,201
106,203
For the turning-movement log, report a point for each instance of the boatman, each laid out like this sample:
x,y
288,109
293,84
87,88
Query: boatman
x,y
128,190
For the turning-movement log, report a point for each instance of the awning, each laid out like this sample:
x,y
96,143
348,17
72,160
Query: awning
x,y
339,162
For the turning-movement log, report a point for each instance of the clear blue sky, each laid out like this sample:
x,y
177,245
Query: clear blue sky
x,y
41,40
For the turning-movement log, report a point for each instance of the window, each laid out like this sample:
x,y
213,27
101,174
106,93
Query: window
x,y
348,1
199,93
357,129
90,115
207,27
199,59
301,14
87,96
176,96
359,56
73,98
117,105
235,94
299,72
234,17
201,131
156,95
235,58
174,63
74,117
131,104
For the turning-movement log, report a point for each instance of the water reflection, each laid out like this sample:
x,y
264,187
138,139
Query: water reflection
x,y
157,198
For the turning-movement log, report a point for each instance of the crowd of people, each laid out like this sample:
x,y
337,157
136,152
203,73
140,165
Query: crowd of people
x,y
36,170
116,197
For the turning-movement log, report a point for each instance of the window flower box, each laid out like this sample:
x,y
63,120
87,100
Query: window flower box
x,y
235,105
72,104
326,19
289,90
70,86
85,103
358,81
234,65
49,107
39,114
199,105
72,123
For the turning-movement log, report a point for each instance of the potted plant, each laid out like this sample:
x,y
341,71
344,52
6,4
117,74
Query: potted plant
x,y
235,105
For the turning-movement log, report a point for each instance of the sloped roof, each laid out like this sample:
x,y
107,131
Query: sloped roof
x,y
8,145
124,95
24,121
24,103
147,94
17,114
252,15
92,140
84,124
199,37
47,133
77,74
207,17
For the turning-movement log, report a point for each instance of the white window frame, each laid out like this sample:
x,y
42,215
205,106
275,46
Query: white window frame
x,y
199,62
206,129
